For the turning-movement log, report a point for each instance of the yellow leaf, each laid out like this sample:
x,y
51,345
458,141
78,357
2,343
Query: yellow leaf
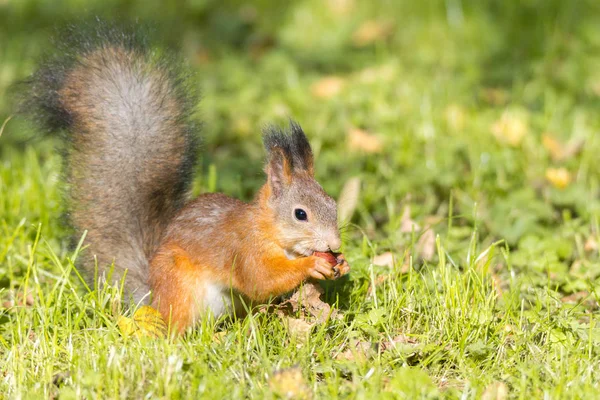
x,y
554,147
558,177
511,128
372,31
341,7
561,151
327,87
495,391
146,322
289,384
360,140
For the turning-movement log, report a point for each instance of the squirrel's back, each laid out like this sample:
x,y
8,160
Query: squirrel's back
x,y
131,147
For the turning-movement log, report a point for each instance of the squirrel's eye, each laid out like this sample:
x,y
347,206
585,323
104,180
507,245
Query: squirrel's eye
x,y
300,214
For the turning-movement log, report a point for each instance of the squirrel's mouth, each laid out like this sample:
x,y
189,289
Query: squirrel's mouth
x,y
293,254
298,251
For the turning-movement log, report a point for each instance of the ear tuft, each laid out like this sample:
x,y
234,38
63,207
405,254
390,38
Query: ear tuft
x,y
293,144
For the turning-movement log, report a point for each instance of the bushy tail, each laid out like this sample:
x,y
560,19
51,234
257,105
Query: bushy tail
x,y
131,148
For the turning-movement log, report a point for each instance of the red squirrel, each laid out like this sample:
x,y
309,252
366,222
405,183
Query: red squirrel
x,y
132,148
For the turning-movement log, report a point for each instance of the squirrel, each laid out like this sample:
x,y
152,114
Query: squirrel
x,y
132,149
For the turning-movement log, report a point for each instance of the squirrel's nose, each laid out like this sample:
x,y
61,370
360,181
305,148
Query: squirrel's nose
x,y
334,242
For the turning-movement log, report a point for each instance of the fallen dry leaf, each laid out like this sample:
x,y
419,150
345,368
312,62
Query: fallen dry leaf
x,y
561,151
399,339
554,147
385,259
495,391
290,384
146,322
583,297
407,225
19,299
299,328
426,244
559,177
590,244
511,128
359,140
308,298
372,31
356,350
327,87
348,200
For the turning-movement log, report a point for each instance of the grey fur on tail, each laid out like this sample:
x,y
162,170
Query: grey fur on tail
x,y
132,143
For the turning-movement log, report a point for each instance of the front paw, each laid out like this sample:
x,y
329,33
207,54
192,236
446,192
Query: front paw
x,y
321,269
342,267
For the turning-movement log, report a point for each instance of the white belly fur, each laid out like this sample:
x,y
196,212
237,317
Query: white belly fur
x,y
217,299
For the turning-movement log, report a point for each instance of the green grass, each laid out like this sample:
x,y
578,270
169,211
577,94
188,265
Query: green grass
x,y
508,299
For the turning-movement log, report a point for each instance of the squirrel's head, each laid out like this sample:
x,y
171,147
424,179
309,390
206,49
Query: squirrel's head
x,y
305,216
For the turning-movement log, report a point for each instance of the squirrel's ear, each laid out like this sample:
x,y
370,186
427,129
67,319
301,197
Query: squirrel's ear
x,y
279,171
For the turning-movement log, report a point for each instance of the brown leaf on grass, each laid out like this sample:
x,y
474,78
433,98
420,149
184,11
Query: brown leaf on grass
x,y
327,87
583,297
426,244
299,328
407,224
348,200
372,31
290,384
356,350
307,298
561,151
554,147
385,259
218,336
386,345
362,350
560,178
511,128
590,244
19,299
363,141
495,391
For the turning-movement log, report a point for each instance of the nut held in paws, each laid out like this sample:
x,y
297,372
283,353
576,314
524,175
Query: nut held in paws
x,y
330,257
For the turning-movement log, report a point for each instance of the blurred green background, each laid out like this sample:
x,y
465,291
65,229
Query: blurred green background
x,y
483,110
